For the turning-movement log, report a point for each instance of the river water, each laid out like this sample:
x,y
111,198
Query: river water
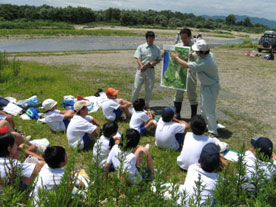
x,y
86,43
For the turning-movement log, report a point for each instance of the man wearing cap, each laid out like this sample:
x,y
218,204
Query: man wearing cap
x,y
82,127
113,108
186,36
259,154
170,131
207,71
147,56
57,120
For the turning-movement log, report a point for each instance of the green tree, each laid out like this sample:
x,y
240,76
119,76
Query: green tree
x,y
175,22
161,20
247,22
230,19
112,14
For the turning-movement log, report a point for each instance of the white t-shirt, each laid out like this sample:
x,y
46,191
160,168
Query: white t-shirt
x,y
138,118
48,178
165,134
192,148
208,184
108,106
129,163
267,168
54,119
6,166
77,128
101,146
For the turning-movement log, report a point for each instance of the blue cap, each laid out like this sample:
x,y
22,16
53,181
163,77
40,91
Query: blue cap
x,y
168,113
209,157
263,144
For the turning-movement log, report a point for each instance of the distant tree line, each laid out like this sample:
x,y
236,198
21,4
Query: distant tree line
x,y
165,18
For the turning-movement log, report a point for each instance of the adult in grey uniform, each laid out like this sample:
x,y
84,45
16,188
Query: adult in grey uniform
x,y
207,71
147,56
186,36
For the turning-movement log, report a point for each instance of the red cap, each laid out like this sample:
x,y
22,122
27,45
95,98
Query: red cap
x,y
79,97
111,92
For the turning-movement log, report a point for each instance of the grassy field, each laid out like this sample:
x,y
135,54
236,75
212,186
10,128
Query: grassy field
x,y
55,81
245,103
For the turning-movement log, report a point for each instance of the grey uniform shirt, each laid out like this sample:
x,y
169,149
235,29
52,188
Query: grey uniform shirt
x,y
148,53
206,69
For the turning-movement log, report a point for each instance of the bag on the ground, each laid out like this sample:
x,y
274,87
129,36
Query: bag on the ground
x,y
30,102
32,113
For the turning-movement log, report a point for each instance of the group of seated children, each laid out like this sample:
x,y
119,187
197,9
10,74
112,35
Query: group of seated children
x,y
200,154
47,172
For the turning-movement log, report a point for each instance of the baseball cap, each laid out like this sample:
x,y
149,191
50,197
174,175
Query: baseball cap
x,y
48,104
200,45
80,104
209,157
111,92
168,113
263,144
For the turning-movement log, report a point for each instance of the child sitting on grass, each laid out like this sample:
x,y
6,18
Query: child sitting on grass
x,y
103,145
193,143
209,160
20,140
141,120
128,155
261,154
9,162
113,108
51,174
170,131
82,127
57,120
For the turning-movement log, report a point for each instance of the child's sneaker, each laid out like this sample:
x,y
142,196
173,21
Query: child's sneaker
x,y
27,138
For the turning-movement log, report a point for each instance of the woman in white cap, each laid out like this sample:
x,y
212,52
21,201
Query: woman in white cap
x,y
207,72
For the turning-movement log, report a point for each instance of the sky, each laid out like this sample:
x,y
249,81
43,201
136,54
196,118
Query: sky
x,y
251,8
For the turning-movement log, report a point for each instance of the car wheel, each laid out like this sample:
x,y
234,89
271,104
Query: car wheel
x,y
265,44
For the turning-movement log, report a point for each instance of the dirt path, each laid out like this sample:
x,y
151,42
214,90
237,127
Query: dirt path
x,y
248,86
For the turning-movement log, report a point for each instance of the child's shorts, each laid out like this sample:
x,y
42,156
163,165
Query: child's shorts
x,y
142,129
179,138
66,122
118,112
86,141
